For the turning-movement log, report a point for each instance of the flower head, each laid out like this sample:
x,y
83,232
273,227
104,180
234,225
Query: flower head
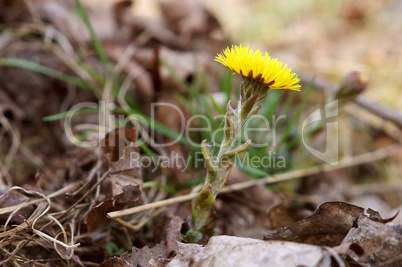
x,y
261,69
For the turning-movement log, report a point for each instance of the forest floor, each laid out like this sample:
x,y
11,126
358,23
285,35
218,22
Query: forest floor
x,y
80,84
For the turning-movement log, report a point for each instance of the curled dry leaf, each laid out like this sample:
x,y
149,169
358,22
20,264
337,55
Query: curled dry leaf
x,y
282,215
125,174
97,219
155,256
168,229
125,189
328,226
381,243
237,251
116,141
189,19
122,152
14,198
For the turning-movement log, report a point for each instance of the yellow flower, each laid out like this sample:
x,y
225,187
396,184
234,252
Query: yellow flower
x,y
261,69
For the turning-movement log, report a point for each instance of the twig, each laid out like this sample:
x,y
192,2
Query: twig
x,y
138,227
375,122
91,174
347,162
153,205
381,111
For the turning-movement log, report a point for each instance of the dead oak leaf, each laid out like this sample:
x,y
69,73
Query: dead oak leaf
x,y
328,226
380,242
168,229
124,164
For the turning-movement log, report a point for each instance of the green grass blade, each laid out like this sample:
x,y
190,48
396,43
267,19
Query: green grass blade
x,y
65,114
151,184
174,75
95,40
295,141
36,67
227,84
93,73
155,125
295,117
269,107
256,172
288,104
219,109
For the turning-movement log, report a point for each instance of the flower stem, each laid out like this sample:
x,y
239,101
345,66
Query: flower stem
x,y
219,167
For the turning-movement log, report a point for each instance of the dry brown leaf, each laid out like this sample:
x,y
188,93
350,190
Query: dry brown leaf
x,y
188,19
329,224
124,166
282,215
168,229
116,141
155,256
237,251
97,219
125,174
14,198
380,242
125,189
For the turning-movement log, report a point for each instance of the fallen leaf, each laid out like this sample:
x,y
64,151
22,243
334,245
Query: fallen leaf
x,y
238,251
189,19
155,256
328,226
125,189
116,141
124,164
282,215
97,219
125,175
380,242
168,229
14,198
167,114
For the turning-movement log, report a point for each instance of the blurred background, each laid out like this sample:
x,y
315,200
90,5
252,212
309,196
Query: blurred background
x,y
325,38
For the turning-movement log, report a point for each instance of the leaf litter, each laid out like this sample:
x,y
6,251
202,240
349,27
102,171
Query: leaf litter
x,y
157,55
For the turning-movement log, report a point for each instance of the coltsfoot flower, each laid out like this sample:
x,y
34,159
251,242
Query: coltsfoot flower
x,y
259,68
260,73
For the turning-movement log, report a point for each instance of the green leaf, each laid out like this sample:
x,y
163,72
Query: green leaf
x,y
191,236
111,248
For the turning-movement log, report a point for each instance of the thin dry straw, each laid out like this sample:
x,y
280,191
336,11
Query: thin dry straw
x,y
346,162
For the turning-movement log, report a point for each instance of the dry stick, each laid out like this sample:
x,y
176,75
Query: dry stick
x,y
375,121
380,110
376,108
4,262
137,227
347,162
91,174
